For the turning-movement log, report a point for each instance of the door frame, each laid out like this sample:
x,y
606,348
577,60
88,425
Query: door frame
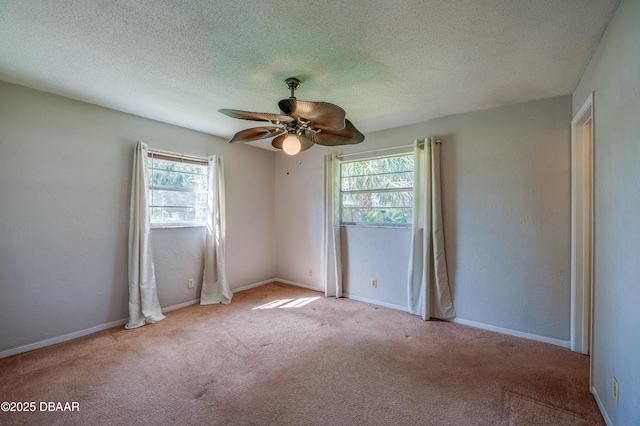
x,y
582,228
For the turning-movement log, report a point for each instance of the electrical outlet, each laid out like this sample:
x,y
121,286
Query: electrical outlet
x,y
190,283
310,272
374,283
615,389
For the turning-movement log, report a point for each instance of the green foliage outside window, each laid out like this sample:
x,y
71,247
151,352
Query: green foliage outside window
x,y
177,192
377,191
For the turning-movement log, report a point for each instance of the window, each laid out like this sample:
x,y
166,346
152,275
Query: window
x,y
178,190
377,191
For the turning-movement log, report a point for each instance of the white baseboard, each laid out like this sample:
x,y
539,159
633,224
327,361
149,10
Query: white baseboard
x,y
377,302
358,298
310,287
106,326
180,305
280,280
605,416
254,285
348,296
563,343
80,333
558,342
60,339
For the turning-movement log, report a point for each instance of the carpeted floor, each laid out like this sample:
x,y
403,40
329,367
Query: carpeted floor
x,y
305,360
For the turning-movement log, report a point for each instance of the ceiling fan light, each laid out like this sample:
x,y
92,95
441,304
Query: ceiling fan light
x,y
291,144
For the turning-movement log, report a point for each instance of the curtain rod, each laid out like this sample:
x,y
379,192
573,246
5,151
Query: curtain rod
x,y
372,151
177,155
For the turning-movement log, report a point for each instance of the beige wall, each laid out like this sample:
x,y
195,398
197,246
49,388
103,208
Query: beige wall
x,y
506,191
613,75
65,170
505,179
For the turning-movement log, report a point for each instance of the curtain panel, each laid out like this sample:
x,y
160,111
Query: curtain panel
x,y
428,284
144,305
215,286
331,255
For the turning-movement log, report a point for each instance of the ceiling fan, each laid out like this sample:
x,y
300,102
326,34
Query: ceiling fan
x,y
301,124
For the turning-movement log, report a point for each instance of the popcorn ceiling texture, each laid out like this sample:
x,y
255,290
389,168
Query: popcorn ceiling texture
x,y
386,63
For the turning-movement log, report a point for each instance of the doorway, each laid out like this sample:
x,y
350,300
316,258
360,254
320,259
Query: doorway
x,y
582,220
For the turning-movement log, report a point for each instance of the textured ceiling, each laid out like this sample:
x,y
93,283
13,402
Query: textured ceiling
x,y
387,63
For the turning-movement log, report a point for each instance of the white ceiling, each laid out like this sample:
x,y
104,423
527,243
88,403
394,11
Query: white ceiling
x,y
387,63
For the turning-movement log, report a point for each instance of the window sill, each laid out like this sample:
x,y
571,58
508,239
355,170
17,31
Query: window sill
x,y
177,225
376,225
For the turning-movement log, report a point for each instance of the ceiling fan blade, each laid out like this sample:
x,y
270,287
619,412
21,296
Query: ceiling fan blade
x,y
256,134
348,135
304,142
323,115
277,142
257,116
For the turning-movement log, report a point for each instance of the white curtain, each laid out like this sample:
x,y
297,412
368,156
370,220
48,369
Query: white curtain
x,y
331,257
428,286
215,286
144,306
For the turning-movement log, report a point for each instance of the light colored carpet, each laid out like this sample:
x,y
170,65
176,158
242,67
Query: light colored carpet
x,y
308,361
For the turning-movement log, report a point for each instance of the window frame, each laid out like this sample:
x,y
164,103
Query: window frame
x,y
176,158
406,225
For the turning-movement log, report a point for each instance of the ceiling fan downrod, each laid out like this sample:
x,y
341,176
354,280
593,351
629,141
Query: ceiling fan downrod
x,y
292,83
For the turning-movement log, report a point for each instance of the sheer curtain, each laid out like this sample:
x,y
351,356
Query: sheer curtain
x,y
215,286
331,257
428,284
144,306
